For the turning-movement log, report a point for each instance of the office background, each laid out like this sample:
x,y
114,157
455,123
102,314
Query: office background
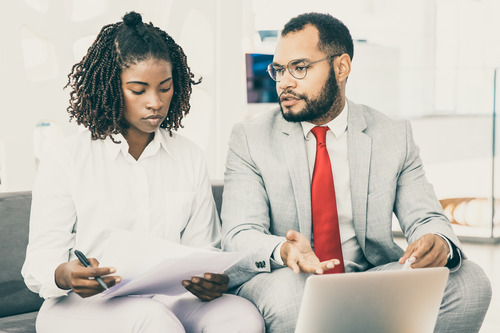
x,y
431,61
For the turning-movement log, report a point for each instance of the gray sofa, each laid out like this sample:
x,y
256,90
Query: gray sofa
x,y
18,305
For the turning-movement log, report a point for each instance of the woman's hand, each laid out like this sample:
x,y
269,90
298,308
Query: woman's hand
x,y
208,287
73,275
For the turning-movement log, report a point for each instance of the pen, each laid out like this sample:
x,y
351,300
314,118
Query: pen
x,y
85,262
408,262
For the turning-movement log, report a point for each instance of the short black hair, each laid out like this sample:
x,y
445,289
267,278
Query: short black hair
x,y
96,99
334,37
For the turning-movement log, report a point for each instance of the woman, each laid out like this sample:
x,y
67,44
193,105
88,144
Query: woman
x,y
127,170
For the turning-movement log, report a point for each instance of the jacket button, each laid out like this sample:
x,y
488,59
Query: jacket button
x,y
260,264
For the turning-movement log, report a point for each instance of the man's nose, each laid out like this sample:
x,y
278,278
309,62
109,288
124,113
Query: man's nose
x,y
287,80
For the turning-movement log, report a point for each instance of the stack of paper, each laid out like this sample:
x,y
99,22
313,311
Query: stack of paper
x,y
149,265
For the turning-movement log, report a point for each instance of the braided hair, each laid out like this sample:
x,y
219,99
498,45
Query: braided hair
x,y
96,100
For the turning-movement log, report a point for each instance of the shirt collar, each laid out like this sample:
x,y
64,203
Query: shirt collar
x,y
160,140
337,126
114,149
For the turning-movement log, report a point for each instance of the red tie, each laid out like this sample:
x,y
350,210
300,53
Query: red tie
x,y
327,243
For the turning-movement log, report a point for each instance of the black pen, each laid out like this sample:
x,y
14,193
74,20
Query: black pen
x,y
85,262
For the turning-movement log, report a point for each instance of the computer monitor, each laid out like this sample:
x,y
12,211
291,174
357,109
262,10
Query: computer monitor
x,y
260,87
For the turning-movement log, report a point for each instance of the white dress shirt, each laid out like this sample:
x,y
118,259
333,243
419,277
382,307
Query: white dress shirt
x,y
85,188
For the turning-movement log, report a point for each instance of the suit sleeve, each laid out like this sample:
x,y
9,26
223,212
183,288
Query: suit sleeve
x,y
245,212
417,207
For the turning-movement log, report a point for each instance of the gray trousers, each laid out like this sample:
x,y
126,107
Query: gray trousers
x,y
466,299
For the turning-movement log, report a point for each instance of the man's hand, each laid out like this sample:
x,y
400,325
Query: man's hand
x,y
429,251
73,275
297,254
208,287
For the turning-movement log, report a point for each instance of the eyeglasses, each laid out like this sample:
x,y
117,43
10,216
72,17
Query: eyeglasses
x,y
297,68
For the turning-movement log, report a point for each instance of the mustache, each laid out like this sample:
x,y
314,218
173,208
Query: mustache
x,y
291,92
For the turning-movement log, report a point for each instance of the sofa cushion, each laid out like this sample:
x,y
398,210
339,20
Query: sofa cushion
x,y
15,297
23,323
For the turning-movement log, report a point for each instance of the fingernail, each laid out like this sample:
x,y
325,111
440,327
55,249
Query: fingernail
x,y
195,280
208,276
118,280
330,265
185,283
112,270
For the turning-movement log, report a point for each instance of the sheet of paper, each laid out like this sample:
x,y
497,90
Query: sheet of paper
x,y
133,253
166,277
149,265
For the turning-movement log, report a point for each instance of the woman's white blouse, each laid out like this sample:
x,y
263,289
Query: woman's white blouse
x,y
85,188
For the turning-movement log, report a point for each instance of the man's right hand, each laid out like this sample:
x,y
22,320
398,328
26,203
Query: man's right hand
x,y
73,275
297,254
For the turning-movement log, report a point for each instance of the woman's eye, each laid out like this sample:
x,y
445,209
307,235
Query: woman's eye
x,y
164,90
137,92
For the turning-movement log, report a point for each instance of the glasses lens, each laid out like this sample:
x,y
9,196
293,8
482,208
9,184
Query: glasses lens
x,y
272,72
298,69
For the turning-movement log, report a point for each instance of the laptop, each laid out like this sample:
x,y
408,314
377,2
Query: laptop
x,y
376,302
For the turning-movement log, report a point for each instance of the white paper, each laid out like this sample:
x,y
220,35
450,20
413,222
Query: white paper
x,y
149,265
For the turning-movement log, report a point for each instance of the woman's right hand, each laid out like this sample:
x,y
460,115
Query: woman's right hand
x,y
73,275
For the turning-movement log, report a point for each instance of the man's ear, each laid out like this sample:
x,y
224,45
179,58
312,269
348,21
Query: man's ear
x,y
342,67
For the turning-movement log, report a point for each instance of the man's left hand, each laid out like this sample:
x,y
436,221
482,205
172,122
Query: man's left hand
x,y
208,287
430,250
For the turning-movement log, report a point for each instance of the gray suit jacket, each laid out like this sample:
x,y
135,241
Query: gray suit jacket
x,y
267,188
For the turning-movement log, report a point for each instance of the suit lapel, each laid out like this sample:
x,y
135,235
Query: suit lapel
x,y
359,152
296,159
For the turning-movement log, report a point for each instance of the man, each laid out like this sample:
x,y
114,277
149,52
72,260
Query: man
x,y
277,194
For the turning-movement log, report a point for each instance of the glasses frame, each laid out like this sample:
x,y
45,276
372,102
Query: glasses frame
x,y
269,67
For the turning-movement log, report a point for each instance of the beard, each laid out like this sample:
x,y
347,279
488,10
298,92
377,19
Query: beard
x,y
320,108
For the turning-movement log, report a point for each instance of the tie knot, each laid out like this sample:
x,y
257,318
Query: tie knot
x,y
320,133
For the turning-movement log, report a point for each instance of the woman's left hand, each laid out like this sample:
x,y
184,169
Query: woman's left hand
x,y
208,287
